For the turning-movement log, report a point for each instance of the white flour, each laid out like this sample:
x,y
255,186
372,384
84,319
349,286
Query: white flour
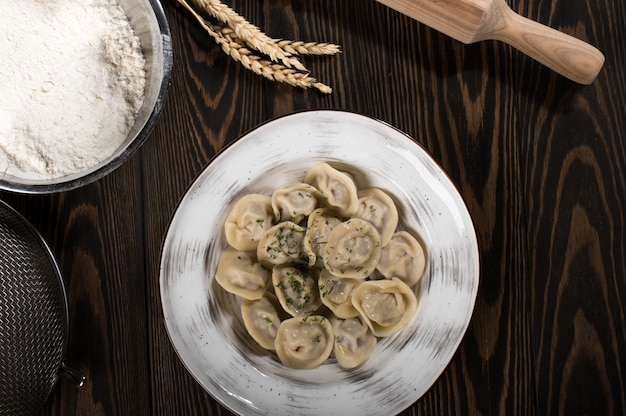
x,y
71,82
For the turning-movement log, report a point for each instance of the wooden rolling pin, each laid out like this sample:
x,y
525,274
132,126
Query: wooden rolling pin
x,y
470,21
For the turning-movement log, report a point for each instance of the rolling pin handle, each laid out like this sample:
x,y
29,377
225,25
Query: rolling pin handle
x,y
567,55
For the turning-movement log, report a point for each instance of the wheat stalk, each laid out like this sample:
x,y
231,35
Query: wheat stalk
x,y
240,35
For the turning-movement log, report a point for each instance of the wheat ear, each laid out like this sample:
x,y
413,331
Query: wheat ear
x,y
232,43
248,32
239,53
272,71
308,48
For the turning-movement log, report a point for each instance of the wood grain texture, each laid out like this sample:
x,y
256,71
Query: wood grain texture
x,y
539,160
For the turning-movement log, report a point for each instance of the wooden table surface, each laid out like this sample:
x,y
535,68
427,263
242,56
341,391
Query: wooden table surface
x,y
539,160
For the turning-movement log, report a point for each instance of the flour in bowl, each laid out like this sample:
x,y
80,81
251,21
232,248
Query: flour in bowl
x,y
71,83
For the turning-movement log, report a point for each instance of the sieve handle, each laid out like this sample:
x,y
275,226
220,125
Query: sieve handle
x,y
75,376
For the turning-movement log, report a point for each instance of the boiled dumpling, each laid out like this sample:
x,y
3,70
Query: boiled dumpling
x,y
403,258
261,319
354,341
337,188
283,243
376,207
386,306
296,289
319,226
304,342
248,220
321,268
239,273
294,202
336,294
353,249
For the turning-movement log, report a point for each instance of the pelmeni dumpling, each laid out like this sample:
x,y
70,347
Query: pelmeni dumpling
x,y
353,249
261,319
304,342
354,341
386,306
294,202
248,220
338,188
332,254
403,258
377,208
283,243
296,289
336,294
319,226
238,272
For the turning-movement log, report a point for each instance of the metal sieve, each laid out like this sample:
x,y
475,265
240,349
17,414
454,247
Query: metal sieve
x,y
33,318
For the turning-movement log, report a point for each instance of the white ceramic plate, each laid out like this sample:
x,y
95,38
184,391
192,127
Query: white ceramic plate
x,y
204,322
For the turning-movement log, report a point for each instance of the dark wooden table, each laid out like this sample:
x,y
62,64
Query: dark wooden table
x,y
539,160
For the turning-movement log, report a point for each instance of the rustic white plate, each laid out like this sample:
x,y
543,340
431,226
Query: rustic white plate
x,y
204,322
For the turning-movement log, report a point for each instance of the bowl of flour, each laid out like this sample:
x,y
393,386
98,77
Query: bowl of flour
x,y
81,86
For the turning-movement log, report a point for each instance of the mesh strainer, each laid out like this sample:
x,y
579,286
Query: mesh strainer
x,y
33,317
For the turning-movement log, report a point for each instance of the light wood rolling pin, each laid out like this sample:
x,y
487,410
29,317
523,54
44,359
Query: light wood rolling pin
x,y
470,21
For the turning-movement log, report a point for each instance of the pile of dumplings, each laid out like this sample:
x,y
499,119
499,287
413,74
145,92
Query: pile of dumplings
x,y
321,268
